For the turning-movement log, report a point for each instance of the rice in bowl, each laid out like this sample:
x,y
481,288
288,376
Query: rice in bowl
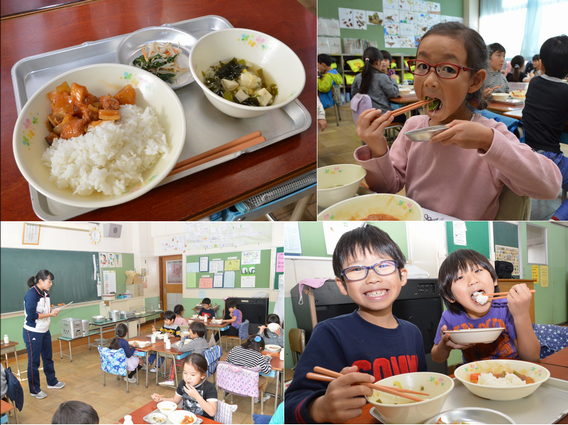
x,y
111,156
510,380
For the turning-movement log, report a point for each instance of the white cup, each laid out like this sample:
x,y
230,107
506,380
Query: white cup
x,y
168,344
205,318
166,337
153,339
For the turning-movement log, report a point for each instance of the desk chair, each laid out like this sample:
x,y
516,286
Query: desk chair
x,y
243,335
224,413
297,338
114,362
513,206
212,355
337,102
241,381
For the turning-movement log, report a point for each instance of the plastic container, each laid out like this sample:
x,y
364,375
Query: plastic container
x,y
6,339
128,420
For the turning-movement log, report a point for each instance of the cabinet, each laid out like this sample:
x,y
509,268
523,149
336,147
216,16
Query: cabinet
x,y
505,285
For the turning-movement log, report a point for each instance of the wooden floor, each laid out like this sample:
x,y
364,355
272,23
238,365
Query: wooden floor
x,y
84,381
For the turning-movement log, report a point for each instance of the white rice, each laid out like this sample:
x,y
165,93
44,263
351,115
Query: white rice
x,y
510,380
109,157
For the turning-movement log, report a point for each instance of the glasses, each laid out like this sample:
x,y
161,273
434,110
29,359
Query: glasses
x,y
356,273
448,71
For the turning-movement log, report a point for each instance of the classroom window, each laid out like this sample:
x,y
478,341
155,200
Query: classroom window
x,y
536,245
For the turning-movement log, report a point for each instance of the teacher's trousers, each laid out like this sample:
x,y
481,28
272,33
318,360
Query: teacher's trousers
x,y
39,344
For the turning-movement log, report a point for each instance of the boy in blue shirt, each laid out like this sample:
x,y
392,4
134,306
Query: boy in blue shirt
x,y
367,345
206,309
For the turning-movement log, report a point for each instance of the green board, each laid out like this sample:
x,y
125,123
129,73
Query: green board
x,y
73,272
506,234
477,237
261,270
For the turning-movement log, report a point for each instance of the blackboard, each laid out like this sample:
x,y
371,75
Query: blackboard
x,y
477,236
262,270
506,234
73,272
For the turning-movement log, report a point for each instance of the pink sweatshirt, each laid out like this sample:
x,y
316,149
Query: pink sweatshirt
x,y
463,183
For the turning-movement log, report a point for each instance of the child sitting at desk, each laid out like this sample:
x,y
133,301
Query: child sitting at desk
x,y
198,345
367,345
546,109
518,74
168,327
274,338
206,309
132,362
495,81
198,395
178,310
75,412
464,274
234,322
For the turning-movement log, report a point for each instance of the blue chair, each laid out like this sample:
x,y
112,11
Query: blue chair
x,y
212,355
114,362
515,126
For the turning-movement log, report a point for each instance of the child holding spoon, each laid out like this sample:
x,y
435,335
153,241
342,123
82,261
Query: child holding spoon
x,y
462,170
464,274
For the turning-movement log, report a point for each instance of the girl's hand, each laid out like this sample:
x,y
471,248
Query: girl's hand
x,y
466,135
54,313
519,300
153,328
322,124
447,341
157,398
135,344
370,127
191,391
261,329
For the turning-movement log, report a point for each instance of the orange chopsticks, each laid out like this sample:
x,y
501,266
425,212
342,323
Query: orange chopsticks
x,y
410,107
219,152
327,375
502,295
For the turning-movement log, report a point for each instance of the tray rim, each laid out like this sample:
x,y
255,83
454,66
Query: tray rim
x,y
37,198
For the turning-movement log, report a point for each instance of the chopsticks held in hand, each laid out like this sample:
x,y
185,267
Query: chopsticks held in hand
x,y
502,295
411,107
219,152
327,375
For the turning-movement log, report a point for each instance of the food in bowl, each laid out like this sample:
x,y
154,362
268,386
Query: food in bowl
x,y
360,207
519,93
182,417
272,348
242,82
156,418
161,59
167,407
500,96
378,217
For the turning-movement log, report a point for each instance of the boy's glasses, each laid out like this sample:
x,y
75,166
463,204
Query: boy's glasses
x,y
356,273
448,71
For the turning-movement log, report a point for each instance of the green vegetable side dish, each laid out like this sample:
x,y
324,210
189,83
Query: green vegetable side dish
x,y
161,60
240,82
432,106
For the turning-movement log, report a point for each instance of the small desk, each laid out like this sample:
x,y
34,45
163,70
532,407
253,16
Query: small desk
x,y
7,407
560,358
138,415
502,108
64,338
10,348
173,353
277,366
143,352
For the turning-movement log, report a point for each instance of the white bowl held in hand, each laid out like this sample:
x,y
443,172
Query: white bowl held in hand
x,y
278,61
273,327
30,130
532,370
475,336
362,207
398,410
338,182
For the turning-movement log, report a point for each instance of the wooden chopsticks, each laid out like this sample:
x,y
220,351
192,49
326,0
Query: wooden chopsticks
x,y
219,152
502,295
327,375
410,107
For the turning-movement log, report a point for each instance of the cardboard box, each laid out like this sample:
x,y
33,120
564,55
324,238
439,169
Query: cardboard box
x,y
132,277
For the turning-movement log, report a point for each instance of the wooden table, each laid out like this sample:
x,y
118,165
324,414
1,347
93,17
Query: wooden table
x,y
10,348
173,353
501,108
277,366
405,99
143,352
138,415
560,358
200,194
7,407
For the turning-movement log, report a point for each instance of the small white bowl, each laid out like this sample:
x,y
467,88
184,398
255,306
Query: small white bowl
x,y
167,407
130,48
398,410
475,336
338,182
273,348
274,57
178,416
500,96
404,91
273,327
155,418
533,370
360,207
30,130
470,415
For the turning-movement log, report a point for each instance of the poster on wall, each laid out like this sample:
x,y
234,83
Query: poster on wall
x,y
406,4
118,260
359,19
250,257
206,282
345,18
103,259
510,254
110,259
390,4
391,16
248,281
374,18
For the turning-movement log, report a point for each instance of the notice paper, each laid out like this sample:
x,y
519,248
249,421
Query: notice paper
x,y
229,279
203,264
459,233
218,280
279,262
192,267
248,281
109,279
206,282
233,264
191,280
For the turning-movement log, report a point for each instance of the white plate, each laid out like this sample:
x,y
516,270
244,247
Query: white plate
x,y
475,336
272,348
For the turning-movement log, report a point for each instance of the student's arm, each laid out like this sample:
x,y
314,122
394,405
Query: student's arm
x,y
390,87
209,407
157,398
519,301
177,332
443,344
325,83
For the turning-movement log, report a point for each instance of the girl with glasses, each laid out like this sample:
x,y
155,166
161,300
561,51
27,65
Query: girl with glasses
x,y
462,170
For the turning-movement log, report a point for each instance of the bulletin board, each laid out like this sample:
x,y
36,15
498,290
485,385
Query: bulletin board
x,y
477,237
229,270
277,274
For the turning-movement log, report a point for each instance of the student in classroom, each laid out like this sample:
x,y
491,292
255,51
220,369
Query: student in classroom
x,y
75,412
469,163
179,310
535,69
198,345
233,323
462,277
327,78
495,81
168,327
133,363
518,74
386,65
207,309
249,355
546,109
369,268
197,395
275,337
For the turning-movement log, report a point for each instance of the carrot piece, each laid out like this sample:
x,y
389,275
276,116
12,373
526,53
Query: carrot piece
x,y
144,53
474,377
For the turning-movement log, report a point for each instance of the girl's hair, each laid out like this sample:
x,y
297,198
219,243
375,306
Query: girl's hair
x,y
75,412
366,239
536,58
495,47
476,50
460,261
42,274
232,304
121,332
198,361
169,315
386,55
198,328
370,56
518,64
554,54
178,309
272,318
254,342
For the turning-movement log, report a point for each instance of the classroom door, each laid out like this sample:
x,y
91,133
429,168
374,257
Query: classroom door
x,y
171,281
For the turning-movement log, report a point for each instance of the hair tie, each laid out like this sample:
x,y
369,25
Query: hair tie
x,y
517,66
257,339
366,59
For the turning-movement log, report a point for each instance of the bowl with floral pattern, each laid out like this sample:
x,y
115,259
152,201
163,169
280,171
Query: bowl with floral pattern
x,y
374,207
338,182
279,64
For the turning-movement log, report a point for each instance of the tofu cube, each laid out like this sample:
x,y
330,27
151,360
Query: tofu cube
x,y
263,97
229,85
241,96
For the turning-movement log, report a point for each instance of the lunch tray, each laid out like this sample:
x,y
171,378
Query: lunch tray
x,y
207,127
147,419
511,101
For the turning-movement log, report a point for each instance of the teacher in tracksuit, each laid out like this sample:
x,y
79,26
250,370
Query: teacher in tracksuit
x,y
36,333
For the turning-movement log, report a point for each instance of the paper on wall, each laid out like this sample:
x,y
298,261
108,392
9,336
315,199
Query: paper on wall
x,y
191,280
218,280
229,279
248,281
345,18
292,244
192,267
206,282
203,264
109,279
459,233
374,18
250,257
